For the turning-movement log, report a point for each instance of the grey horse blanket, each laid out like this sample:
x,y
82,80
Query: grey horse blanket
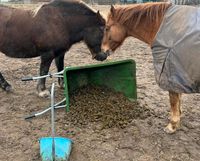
x,y
176,50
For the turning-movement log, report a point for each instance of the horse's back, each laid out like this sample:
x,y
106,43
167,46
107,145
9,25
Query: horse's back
x,y
15,31
5,15
15,17
176,50
24,33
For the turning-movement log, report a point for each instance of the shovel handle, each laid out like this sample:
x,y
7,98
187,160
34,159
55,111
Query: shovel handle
x,y
27,79
29,117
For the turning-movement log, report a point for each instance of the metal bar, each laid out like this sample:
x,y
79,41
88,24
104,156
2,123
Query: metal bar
x,y
53,120
56,106
56,75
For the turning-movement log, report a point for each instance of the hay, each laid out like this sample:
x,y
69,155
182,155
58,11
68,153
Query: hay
x,y
96,104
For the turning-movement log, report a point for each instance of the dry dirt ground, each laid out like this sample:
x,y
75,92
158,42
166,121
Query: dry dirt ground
x,y
142,139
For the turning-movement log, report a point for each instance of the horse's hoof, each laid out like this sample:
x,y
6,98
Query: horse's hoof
x,y
61,83
169,129
44,94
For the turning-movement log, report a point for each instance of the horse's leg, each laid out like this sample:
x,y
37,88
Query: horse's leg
x,y
46,60
175,102
4,84
59,60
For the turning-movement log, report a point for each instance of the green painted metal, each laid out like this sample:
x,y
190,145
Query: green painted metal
x,y
117,75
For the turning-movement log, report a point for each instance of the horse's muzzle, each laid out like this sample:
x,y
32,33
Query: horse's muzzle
x,y
102,56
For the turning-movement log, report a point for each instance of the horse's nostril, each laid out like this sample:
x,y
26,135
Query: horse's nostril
x,y
101,56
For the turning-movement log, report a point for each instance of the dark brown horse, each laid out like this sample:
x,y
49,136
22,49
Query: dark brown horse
x,y
173,34
49,33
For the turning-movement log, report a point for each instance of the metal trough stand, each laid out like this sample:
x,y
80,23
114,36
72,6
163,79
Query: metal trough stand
x,y
119,76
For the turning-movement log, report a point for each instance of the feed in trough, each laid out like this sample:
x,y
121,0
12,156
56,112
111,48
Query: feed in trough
x,y
92,104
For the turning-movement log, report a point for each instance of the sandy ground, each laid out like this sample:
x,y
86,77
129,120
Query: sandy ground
x,y
143,139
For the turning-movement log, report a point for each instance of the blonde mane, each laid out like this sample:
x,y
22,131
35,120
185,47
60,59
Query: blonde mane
x,y
133,14
92,9
35,11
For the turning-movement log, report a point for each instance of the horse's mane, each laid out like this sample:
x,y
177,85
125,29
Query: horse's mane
x,y
132,14
72,5
75,6
34,12
89,7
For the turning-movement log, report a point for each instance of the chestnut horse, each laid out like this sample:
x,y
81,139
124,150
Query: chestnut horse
x,y
49,33
143,22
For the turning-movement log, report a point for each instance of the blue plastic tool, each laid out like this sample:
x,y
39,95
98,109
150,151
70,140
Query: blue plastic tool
x,y
54,148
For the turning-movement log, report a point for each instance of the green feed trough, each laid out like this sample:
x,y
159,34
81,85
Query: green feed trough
x,y
119,76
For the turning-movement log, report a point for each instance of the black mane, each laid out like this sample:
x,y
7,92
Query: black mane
x,y
73,6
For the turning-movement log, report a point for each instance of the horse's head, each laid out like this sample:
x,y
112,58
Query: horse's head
x,y
93,36
114,33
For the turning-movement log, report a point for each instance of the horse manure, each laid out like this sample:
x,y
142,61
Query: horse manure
x,y
92,104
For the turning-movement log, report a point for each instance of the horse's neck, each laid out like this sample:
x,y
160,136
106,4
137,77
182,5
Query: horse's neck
x,y
144,33
146,30
82,23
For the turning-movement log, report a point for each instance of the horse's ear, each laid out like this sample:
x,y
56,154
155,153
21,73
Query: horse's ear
x,y
100,17
112,10
98,14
